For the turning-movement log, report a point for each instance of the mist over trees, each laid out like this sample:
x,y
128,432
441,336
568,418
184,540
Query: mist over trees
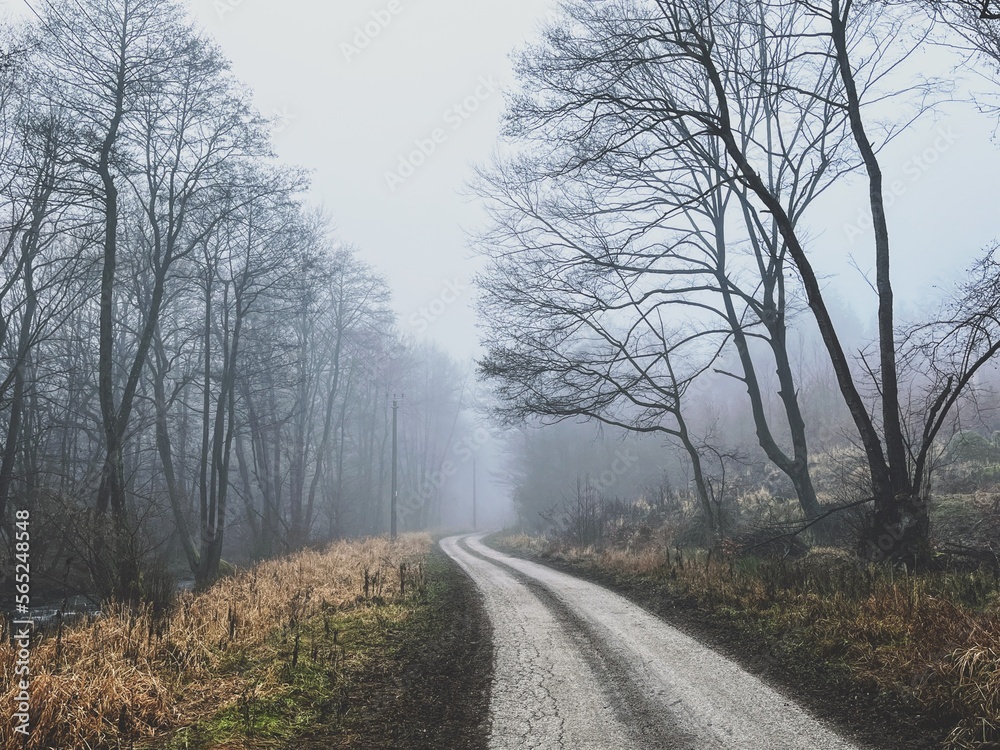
x,y
193,367
651,234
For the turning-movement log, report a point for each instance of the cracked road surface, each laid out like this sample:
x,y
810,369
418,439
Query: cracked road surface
x,y
577,666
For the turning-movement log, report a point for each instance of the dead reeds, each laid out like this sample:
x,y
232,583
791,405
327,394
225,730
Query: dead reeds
x,y
934,638
129,675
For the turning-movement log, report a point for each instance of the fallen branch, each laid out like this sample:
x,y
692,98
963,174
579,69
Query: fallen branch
x,y
810,524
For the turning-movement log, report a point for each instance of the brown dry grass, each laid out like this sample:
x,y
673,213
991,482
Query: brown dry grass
x,y
124,676
932,638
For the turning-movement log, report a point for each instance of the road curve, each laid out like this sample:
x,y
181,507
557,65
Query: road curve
x,y
579,667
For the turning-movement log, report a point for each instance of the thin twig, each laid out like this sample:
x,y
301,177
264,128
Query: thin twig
x,y
813,522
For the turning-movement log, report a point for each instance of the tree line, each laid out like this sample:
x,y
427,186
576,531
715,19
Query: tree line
x,y
650,230
190,360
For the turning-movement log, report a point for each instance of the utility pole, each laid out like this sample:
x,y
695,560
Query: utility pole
x,y
474,495
395,489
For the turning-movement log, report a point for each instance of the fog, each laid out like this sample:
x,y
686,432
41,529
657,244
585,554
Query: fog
x,y
354,106
357,105
328,328
351,117
352,113
390,107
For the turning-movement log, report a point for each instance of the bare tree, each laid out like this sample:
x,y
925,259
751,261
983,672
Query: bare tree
x,y
245,259
33,155
769,100
170,308
573,331
609,106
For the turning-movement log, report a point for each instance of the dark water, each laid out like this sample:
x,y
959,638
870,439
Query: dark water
x,y
44,611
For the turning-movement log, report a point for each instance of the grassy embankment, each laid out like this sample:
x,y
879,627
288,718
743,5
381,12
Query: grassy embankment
x,y
364,645
908,661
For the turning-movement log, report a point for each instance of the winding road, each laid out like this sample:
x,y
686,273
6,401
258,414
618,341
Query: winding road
x,y
577,667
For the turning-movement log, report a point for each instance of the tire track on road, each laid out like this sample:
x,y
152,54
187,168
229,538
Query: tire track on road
x,y
658,687
544,694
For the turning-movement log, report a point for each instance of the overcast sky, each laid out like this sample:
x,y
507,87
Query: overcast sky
x,y
353,113
358,83
357,102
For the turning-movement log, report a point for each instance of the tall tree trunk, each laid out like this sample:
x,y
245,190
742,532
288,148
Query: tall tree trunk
x,y
165,451
213,533
324,444
112,489
206,403
870,439
29,247
254,515
795,467
901,523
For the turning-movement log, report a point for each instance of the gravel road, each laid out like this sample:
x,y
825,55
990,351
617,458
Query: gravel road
x,y
577,666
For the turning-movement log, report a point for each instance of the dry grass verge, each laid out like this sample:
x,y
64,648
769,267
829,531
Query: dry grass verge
x,y
931,641
128,677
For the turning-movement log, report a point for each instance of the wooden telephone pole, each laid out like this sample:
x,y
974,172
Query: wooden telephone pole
x,y
474,494
395,487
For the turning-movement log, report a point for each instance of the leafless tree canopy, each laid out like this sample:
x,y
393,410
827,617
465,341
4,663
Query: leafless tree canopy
x,y
192,365
652,226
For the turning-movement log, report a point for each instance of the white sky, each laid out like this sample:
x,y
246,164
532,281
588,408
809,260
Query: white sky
x,y
354,119
350,121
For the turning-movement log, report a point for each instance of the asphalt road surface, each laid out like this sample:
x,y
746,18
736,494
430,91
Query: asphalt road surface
x,y
577,667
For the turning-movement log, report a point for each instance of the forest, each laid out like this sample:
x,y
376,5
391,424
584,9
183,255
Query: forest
x,y
194,369
712,458
654,263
